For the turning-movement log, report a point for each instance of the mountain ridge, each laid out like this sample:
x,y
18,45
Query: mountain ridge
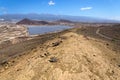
x,y
52,17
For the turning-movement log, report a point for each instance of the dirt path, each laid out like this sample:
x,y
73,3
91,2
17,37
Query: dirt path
x,y
98,33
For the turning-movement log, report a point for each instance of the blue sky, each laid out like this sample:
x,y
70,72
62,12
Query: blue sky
x,y
95,8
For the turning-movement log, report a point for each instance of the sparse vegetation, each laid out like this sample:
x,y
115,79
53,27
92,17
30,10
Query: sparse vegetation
x,y
83,52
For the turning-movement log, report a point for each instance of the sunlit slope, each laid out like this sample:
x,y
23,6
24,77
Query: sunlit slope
x,y
68,56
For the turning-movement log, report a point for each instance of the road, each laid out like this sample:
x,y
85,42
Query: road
x,y
98,33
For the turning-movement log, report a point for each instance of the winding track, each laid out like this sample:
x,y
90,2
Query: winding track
x,y
98,33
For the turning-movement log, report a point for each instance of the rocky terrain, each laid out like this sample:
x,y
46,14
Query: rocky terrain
x,y
75,54
8,32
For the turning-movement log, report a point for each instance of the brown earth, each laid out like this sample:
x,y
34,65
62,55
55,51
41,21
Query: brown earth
x,y
35,22
75,54
32,22
12,31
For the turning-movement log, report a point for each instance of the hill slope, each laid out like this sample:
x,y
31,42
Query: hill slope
x,y
32,22
70,55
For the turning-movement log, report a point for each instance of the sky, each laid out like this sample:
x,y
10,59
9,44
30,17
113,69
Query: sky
x,y
109,9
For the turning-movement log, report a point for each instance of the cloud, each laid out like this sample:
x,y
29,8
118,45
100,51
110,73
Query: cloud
x,y
3,10
115,18
85,8
51,3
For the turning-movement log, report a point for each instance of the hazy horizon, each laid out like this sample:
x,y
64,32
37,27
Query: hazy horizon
x,y
106,9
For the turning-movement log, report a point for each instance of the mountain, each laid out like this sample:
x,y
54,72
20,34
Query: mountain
x,y
50,17
39,22
32,22
64,21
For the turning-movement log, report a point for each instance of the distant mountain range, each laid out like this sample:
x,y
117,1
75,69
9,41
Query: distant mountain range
x,y
37,22
50,17
32,22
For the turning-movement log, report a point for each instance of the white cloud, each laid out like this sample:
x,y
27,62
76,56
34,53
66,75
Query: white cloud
x,y
51,3
85,8
115,18
3,10
1,19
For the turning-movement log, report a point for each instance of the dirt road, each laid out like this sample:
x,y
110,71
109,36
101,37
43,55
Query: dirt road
x,y
98,32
